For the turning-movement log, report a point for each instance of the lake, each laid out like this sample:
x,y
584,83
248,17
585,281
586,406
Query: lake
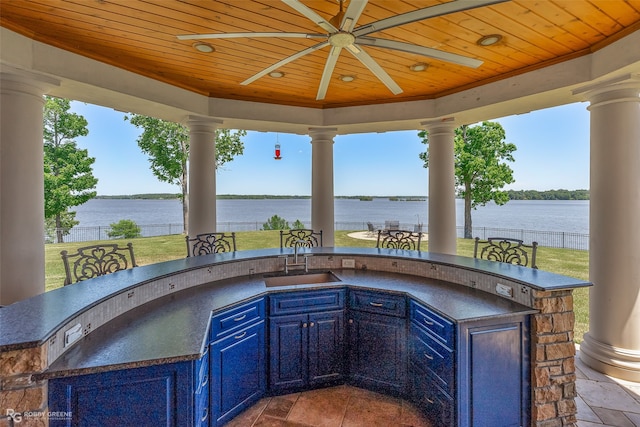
x,y
545,215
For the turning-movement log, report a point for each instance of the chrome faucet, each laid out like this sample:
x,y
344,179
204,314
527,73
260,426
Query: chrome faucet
x,y
298,244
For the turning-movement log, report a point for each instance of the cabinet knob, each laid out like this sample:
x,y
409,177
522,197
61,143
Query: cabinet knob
x,y
304,325
311,324
351,321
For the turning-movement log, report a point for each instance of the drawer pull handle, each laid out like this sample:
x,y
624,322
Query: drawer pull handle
x,y
205,414
237,319
205,380
376,304
428,356
429,400
428,322
242,335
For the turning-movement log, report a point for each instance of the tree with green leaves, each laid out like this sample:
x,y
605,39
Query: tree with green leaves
x,y
167,145
276,223
124,229
68,174
481,153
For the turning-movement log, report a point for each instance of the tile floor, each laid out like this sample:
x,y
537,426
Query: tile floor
x,y
602,401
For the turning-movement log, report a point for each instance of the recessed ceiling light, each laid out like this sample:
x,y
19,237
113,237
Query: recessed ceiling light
x,y
276,74
489,40
347,78
203,47
420,66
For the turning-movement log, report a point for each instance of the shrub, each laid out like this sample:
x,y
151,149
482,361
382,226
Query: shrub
x,y
275,223
298,224
124,229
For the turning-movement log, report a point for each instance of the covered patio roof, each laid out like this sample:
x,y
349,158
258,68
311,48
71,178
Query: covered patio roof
x,y
127,55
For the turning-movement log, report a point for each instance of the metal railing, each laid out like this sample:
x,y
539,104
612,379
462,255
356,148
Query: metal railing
x,y
553,239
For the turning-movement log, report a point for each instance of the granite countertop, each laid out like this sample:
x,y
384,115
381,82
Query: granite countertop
x,y
175,328
31,322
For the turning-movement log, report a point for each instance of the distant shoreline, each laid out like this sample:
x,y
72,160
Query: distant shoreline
x,y
560,194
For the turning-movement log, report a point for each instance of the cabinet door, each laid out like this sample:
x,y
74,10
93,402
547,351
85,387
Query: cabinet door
x,y
288,342
494,372
377,354
160,395
237,372
326,347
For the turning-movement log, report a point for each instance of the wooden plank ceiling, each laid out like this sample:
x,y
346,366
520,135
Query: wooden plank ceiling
x,y
140,36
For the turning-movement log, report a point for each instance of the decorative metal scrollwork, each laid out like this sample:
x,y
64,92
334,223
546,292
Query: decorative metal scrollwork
x,y
302,237
211,243
512,251
97,260
399,239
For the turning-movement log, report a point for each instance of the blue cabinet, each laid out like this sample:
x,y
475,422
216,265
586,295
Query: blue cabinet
x,y
306,349
238,366
160,395
377,341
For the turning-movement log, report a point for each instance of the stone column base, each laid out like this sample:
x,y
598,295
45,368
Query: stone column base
x,y
617,362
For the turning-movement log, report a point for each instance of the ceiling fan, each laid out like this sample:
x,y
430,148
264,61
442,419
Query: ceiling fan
x,y
342,33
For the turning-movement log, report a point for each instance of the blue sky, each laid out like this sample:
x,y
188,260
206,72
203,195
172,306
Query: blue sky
x,y
552,153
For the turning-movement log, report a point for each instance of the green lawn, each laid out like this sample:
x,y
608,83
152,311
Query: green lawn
x,y
149,250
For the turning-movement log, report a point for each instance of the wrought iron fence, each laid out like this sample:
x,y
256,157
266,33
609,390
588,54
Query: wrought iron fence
x,y
553,239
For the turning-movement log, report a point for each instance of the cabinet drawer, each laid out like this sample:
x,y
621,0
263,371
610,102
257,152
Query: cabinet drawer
x,y
432,401
233,319
440,327
378,302
306,302
432,357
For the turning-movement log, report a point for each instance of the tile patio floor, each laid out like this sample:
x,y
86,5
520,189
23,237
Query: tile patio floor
x,y
602,401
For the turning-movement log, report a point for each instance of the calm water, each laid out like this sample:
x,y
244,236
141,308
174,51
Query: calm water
x,y
563,215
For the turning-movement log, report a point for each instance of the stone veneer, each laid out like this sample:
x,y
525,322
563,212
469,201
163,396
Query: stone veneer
x,y
551,337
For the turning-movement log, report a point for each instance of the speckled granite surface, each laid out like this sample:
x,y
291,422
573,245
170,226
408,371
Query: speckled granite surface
x,y
174,327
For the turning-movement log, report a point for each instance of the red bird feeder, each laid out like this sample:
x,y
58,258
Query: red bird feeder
x,y
277,156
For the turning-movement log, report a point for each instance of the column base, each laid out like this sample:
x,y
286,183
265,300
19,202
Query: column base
x,y
614,361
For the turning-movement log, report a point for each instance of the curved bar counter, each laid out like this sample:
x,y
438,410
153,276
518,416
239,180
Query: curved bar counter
x,y
160,314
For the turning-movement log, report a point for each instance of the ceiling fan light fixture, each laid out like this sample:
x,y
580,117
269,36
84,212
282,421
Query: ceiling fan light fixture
x,y
276,74
347,79
489,40
203,47
420,66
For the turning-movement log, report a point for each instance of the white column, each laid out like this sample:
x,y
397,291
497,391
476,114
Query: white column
x,y
202,175
21,185
442,182
322,198
442,195
612,344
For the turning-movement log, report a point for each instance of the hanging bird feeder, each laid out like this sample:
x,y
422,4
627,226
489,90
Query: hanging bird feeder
x,y
277,154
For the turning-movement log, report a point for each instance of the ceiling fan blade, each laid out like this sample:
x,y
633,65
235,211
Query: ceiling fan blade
x,y
328,71
351,16
317,19
421,50
248,35
420,14
283,62
375,68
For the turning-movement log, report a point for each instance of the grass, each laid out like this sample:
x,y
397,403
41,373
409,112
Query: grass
x,y
150,250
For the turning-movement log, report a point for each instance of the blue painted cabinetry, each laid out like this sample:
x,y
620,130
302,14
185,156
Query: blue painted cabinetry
x,y
160,395
471,374
377,340
237,360
306,348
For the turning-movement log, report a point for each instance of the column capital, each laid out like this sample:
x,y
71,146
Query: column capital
x,y
322,134
202,123
621,89
447,124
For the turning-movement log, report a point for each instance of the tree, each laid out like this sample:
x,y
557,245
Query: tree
x,y
480,154
275,223
124,229
167,145
68,176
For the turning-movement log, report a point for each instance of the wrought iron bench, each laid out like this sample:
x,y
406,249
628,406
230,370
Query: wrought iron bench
x,y
301,237
211,243
503,249
399,239
96,260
